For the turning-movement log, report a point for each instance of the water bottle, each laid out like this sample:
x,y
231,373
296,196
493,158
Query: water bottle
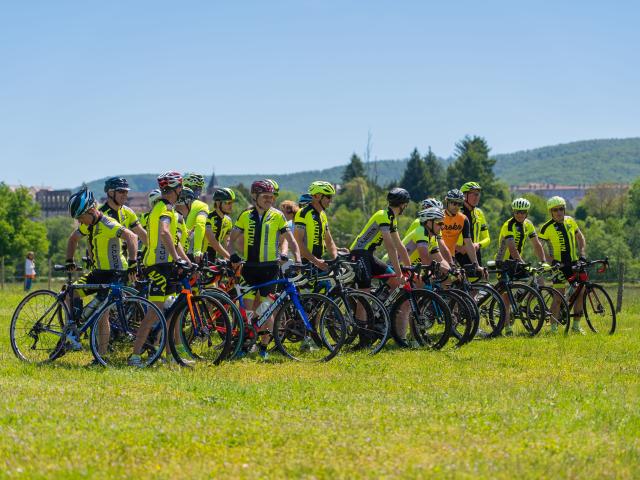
x,y
89,309
263,307
169,301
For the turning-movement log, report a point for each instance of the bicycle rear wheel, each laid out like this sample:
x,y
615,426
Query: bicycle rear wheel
x,y
550,296
235,317
37,325
322,341
367,319
462,321
114,333
528,314
203,331
421,318
598,310
492,310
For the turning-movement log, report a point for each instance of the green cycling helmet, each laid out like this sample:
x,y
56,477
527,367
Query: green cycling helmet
x,y
556,202
321,187
521,204
224,195
470,186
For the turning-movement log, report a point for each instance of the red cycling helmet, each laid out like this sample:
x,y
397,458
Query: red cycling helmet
x,y
169,180
262,186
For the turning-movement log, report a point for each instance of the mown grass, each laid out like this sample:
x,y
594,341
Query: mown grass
x,y
547,407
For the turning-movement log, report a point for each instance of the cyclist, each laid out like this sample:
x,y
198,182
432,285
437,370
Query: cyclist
x,y
163,250
219,224
104,235
195,214
513,234
312,227
117,190
259,232
456,232
382,228
479,228
567,246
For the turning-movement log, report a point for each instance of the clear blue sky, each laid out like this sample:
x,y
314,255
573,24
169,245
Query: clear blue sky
x,y
90,89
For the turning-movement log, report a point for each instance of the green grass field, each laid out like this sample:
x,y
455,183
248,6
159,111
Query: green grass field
x,y
548,407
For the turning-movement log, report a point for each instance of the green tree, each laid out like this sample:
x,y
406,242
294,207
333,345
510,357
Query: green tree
x,y
436,185
355,169
19,232
415,177
58,231
473,163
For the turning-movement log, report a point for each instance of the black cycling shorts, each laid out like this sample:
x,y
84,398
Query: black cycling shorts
x,y
97,276
368,266
560,279
257,273
161,285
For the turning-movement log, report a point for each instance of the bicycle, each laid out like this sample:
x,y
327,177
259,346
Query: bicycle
x,y
308,327
43,328
550,296
525,302
429,317
596,303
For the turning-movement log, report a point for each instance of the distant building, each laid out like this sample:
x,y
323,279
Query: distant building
x,y
53,203
571,193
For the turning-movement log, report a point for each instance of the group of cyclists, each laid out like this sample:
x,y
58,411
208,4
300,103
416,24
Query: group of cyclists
x,y
180,229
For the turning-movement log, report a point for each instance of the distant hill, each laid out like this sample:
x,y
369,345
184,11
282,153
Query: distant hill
x,y
588,162
585,162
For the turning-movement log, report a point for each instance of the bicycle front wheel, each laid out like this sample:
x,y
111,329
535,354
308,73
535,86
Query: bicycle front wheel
x,y
491,308
321,339
557,307
462,320
119,328
598,310
37,325
201,331
529,312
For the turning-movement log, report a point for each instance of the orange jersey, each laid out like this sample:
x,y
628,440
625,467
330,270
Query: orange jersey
x,y
454,226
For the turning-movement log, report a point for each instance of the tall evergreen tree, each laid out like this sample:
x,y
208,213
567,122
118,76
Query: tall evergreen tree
x,y
473,164
355,169
436,184
415,178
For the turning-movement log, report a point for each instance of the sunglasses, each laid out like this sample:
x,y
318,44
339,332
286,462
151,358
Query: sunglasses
x,y
440,224
228,202
558,209
328,196
521,212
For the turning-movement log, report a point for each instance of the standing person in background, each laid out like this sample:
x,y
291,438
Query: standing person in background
x,y
479,228
29,271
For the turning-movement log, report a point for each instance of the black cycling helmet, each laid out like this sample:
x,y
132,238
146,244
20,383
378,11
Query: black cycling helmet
x,y
398,196
186,196
116,183
223,195
80,202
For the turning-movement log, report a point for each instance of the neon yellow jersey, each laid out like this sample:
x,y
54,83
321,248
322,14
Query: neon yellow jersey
x,y
105,246
561,239
315,226
371,235
220,226
182,234
518,232
261,234
161,213
479,227
143,218
416,237
196,223
124,215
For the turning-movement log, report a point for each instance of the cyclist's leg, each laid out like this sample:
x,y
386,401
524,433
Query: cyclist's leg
x,y
158,292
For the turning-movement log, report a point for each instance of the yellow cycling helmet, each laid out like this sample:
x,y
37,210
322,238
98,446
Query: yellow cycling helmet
x,y
470,186
276,187
556,201
323,188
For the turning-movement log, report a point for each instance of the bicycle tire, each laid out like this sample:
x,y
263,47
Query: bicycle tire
x,y
562,319
491,308
473,309
595,310
461,317
323,342
531,311
30,326
429,323
372,330
238,327
212,338
114,345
